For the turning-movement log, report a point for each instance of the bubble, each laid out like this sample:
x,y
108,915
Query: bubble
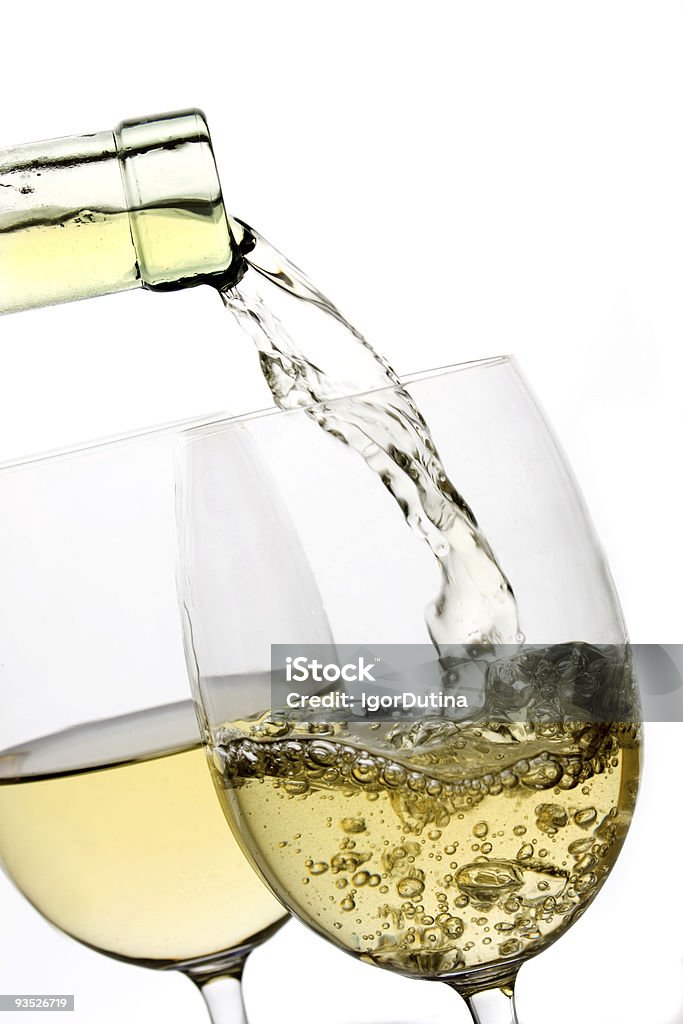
x,y
434,834
486,848
504,926
585,817
480,830
296,787
409,887
361,878
353,825
373,881
580,846
293,750
488,881
525,852
541,880
519,830
550,818
607,832
394,775
542,775
322,753
348,903
454,927
509,947
416,782
365,770
341,883
319,868
348,861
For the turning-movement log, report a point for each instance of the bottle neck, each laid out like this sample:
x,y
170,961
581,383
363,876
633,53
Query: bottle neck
x,y
64,226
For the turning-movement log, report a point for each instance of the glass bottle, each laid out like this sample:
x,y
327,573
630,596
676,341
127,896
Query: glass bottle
x,y
140,206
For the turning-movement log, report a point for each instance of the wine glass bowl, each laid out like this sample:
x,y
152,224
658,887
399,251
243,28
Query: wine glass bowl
x,y
109,823
443,844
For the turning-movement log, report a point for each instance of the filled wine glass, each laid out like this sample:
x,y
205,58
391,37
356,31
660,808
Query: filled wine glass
x,y
109,822
431,754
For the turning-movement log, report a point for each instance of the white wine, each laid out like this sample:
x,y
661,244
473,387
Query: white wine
x,y
129,852
352,393
436,849
90,254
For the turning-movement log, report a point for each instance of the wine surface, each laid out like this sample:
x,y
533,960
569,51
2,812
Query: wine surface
x,y
113,831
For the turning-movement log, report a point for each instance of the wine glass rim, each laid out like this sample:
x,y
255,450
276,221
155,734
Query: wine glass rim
x,y
188,428
194,431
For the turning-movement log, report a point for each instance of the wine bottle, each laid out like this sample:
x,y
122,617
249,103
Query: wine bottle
x,y
140,206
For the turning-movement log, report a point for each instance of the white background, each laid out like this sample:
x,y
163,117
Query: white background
x,y
463,179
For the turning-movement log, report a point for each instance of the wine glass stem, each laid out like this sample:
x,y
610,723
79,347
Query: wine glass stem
x,y
493,1006
223,998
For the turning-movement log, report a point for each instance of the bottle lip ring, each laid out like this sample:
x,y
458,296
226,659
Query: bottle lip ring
x,y
167,164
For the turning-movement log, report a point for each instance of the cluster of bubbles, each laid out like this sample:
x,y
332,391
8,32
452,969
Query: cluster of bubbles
x,y
528,895
422,795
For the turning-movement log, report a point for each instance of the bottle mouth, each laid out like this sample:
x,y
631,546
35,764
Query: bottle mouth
x,y
178,222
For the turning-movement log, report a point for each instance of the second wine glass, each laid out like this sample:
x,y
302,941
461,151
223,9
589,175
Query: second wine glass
x,y
109,823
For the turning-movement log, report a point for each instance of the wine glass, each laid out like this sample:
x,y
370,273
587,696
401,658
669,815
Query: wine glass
x,y
109,823
451,843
